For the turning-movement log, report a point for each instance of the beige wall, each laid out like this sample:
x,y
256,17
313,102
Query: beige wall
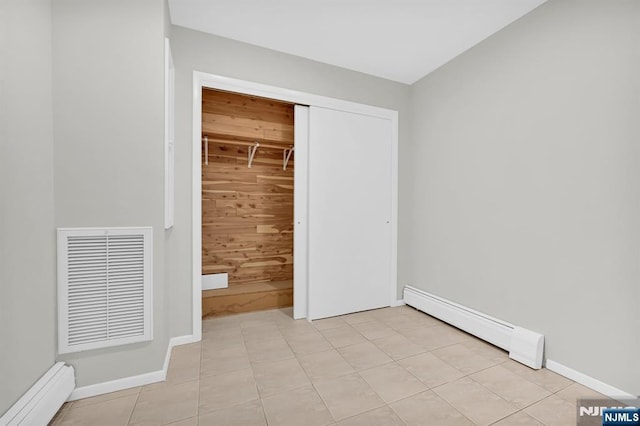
x,y
525,182
27,242
108,103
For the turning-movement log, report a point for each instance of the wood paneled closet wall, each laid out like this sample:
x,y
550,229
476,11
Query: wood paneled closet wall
x,y
247,213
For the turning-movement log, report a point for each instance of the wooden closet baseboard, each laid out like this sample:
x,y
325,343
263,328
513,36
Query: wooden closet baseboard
x,y
247,298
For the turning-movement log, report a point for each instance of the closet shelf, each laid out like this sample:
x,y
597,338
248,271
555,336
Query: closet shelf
x,y
245,143
251,152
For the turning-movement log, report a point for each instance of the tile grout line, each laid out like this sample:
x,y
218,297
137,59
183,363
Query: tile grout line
x,y
309,378
134,405
462,377
518,409
199,378
377,408
358,372
259,399
244,343
393,361
429,389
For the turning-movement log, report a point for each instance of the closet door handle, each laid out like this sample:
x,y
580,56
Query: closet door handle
x,y
206,150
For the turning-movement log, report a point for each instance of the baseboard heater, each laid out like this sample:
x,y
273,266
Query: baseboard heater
x,y
524,346
44,399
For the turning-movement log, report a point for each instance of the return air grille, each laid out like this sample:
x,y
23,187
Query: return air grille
x,y
104,287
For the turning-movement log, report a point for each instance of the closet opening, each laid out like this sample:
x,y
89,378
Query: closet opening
x,y
247,203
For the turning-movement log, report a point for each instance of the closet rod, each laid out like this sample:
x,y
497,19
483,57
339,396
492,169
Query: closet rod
x,y
245,143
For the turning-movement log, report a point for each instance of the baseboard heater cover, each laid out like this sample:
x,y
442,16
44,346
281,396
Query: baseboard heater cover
x,y
524,346
41,403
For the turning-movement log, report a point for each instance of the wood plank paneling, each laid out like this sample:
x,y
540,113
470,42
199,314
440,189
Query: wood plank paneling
x,y
245,128
247,298
247,213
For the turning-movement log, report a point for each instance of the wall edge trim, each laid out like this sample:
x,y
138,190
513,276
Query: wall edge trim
x,y
588,381
132,381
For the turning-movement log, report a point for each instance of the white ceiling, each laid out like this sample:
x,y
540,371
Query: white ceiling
x,y
401,40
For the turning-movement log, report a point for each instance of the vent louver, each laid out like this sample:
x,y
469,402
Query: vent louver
x,y
104,287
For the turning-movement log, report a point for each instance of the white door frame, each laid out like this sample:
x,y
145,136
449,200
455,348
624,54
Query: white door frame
x,y
205,80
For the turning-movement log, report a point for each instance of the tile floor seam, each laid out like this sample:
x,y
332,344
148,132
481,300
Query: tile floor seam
x,y
199,378
264,414
107,400
561,389
227,406
135,404
458,411
431,390
409,330
508,415
377,408
475,372
421,381
534,417
198,398
345,346
408,396
339,375
343,358
523,411
235,404
440,347
398,359
537,402
343,375
480,384
524,407
310,381
489,390
380,365
260,397
246,350
253,376
519,409
571,382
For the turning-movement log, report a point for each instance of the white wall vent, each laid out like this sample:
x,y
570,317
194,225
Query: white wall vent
x,y
104,287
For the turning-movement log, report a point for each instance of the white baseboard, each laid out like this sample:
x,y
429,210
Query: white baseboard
x,y
588,381
40,403
524,346
132,381
117,385
399,302
175,341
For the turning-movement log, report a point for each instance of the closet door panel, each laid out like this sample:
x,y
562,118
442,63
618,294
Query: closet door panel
x,y
349,212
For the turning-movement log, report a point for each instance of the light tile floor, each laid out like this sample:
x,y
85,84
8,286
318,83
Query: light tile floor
x,y
393,366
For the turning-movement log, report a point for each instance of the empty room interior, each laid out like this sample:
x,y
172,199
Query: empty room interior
x,y
319,213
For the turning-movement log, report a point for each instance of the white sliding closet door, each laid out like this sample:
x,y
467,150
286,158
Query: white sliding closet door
x,y
349,197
